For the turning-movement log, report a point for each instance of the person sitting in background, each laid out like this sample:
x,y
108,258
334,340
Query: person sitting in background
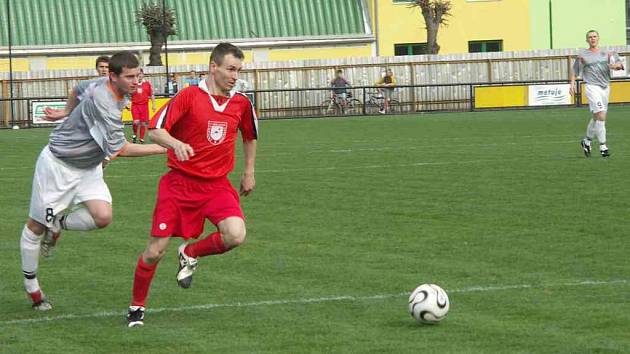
x,y
171,85
191,80
387,83
339,85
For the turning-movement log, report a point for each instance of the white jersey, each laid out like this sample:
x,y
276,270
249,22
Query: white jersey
x,y
94,129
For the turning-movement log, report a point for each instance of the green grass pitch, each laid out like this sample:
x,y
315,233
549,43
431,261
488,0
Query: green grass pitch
x,y
529,238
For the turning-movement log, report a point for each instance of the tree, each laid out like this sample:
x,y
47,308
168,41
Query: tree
x,y
435,13
160,23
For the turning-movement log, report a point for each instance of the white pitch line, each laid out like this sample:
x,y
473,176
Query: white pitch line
x,y
316,300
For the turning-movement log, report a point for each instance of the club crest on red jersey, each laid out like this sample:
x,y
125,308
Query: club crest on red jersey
x,y
217,132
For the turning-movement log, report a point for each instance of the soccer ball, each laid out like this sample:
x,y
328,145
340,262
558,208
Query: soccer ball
x,y
428,303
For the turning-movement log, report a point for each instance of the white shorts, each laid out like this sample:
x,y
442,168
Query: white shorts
x,y
57,186
597,98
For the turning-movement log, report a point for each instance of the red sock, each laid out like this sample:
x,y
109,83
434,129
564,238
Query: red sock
x,y
143,128
135,128
36,296
213,244
142,282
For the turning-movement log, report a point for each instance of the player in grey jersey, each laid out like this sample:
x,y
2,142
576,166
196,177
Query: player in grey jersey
x,y
69,172
594,65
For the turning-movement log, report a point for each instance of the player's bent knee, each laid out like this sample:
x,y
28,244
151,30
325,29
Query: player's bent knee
x,y
156,249
234,239
102,219
233,232
153,255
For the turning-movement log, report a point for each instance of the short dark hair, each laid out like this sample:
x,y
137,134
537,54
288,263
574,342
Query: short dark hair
x,y
591,31
339,71
220,51
124,59
102,59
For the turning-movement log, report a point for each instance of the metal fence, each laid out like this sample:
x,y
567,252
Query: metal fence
x,y
362,100
299,88
321,102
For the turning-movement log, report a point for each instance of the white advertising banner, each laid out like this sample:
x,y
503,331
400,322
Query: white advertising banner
x,y
38,111
549,95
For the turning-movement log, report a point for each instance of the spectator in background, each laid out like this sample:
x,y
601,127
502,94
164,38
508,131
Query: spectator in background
x,y
191,80
171,85
387,85
102,65
339,85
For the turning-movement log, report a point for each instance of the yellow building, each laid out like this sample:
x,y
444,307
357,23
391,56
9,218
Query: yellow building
x,y
482,25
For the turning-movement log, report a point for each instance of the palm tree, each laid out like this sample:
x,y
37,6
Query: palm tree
x,y
434,13
160,23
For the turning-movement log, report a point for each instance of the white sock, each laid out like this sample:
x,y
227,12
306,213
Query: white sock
x,y
31,285
78,220
590,129
29,248
600,131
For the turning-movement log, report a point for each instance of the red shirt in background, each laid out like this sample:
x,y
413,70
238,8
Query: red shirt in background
x,y
142,94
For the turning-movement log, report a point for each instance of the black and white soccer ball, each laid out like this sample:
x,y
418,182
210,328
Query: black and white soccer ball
x,y
428,303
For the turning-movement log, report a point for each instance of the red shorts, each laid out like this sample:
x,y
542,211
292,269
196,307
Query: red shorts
x,y
140,112
184,203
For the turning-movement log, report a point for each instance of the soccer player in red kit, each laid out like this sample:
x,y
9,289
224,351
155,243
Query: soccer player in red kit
x,y
140,107
199,128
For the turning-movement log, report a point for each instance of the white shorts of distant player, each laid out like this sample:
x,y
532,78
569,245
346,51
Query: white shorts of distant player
x,y
58,186
597,98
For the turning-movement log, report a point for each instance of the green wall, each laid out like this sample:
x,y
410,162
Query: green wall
x,y
68,22
573,18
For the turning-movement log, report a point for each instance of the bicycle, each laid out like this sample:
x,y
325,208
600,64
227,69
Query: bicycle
x,y
333,106
376,104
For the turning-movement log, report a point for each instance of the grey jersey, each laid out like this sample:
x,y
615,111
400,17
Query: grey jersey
x,y
593,66
94,129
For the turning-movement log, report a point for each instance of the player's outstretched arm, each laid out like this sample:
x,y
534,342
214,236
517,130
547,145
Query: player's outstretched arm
x,y
248,181
182,151
137,150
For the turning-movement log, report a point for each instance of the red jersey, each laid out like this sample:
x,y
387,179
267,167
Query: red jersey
x,y
142,94
209,124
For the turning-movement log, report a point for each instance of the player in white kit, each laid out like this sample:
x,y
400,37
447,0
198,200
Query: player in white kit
x,y
594,66
68,189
